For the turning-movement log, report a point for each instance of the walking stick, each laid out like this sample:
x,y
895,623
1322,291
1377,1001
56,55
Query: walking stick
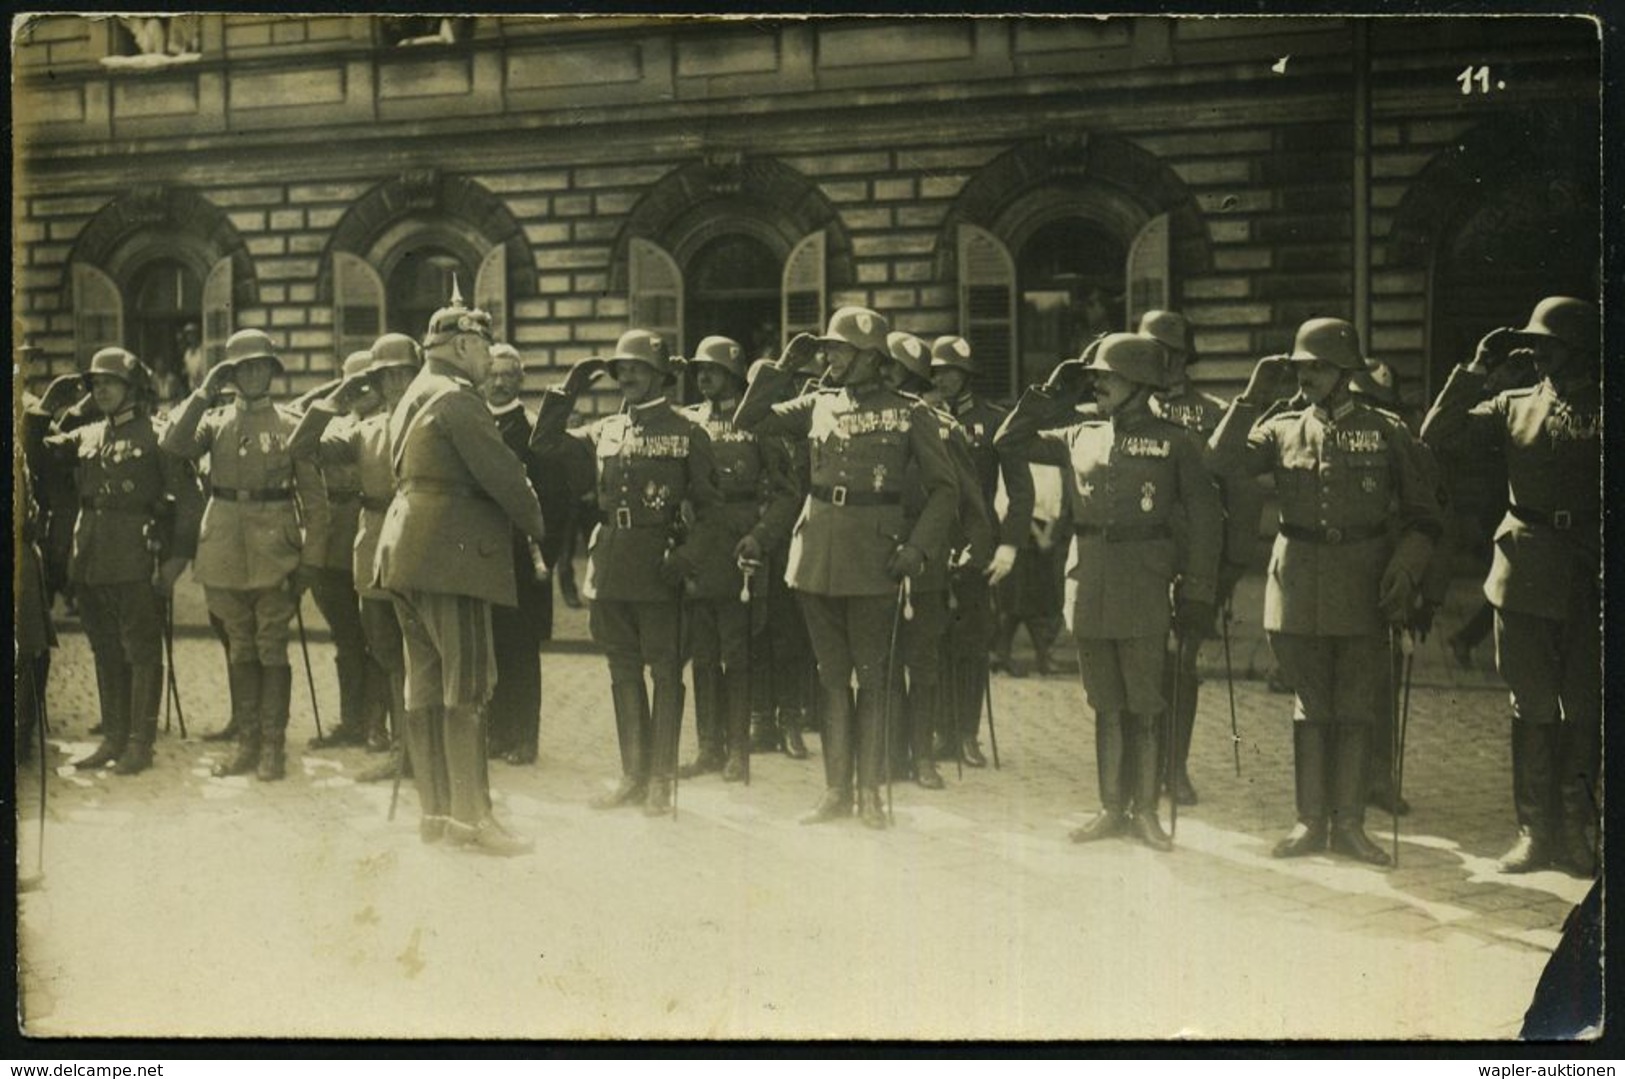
x,y
954,706
400,770
1230,684
1395,675
1170,726
29,885
904,609
174,693
1401,719
992,729
677,736
748,570
304,650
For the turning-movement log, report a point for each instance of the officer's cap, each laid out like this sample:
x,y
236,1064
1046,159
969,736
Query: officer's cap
x,y
117,363
395,350
1329,340
910,352
1571,321
1138,359
951,350
245,345
722,352
860,328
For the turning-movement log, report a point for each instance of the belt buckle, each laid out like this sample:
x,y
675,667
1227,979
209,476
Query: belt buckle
x,y
623,517
1562,520
1334,535
837,495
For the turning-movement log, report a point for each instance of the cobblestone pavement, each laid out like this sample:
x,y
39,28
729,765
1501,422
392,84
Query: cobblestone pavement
x,y
176,903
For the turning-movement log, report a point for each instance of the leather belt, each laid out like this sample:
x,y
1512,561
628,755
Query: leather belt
x,y
424,485
342,497
1334,536
1121,533
376,505
841,495
621,518
255,494
1561,520
115,504
742,496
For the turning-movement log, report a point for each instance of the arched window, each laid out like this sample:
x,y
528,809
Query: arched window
x,y
733,290
1069,276
420,285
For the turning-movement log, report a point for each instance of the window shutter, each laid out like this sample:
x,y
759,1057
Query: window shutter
x,y
491,290
802,292
987,309
1147,270
98,313
217,311
358,305
656,292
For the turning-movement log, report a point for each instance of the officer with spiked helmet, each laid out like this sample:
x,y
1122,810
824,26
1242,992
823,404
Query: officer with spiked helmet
x,y
1146,521
264,531
657,491
137,527
1544,581
972,629
444,554
852,545
1358,521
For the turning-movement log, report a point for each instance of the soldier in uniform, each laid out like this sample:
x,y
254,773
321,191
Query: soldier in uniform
x,y
1544,581
971,629
258,545
137,528
363,690
927,717
1182,404
371,395
445,553
515,713
652,463
758,508
1146,519
850,547
1339,576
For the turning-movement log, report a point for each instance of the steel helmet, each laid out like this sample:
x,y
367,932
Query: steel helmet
x,y
723,352
120,364
1376,383
859,327
1138,359
1167,327
1329,340
356,364
910,352
395,350
953,351
645,347
247,345
1571,321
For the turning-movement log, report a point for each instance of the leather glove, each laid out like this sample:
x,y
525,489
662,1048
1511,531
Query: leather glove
x,y
303,579
1272,379
1193,618
1069,381
63,391
676,568
214,383
907,561
798,353
583,373
748,549
1396,595
1230,575
169,571
1421,622
1493,348
1004,560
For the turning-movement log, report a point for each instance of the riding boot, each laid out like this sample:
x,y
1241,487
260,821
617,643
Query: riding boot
x,y
1578,793
351,729
708,721
895,736
1147,782
146,694
668,728
1179,779
736,700
378,704
1310,746
791,721
1109,768
1379,764
243,681
1348,797
1004,638
925,705
764,731
871,808
276,687
631,718
394,685
1534,789
113,686
870,724
837,743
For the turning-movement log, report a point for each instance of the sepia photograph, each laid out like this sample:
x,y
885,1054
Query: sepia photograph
x,y
788,529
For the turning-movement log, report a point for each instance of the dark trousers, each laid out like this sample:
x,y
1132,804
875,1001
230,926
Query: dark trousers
x,y
335,596
970,634
1554,670
635,635
851,635
515,710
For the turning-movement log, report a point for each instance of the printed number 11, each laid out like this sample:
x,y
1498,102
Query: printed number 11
x,y
1469,75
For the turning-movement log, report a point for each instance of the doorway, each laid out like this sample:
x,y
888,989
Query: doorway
x,y
420,284
733,290
1069,274
166,299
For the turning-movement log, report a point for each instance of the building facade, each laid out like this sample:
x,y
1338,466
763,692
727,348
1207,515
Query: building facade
x,y
1026,182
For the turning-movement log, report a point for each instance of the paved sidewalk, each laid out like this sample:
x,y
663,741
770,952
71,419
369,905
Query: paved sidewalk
x,y
177,903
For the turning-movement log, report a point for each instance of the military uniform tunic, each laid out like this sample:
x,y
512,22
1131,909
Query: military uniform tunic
x,y
1199,414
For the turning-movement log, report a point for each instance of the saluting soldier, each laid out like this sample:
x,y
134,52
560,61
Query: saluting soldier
x,y
921,724
1146,524
264,530
444,552
1544,580
654,464
851,545
363,692
371,395
1184,405
971,629
137,528
758,507
1341,575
